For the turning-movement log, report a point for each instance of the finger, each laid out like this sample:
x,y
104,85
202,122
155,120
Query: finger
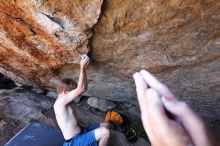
x,y
156,112
86,59
153,114
87,63
141,85
157,85
82,59
191,122
141,88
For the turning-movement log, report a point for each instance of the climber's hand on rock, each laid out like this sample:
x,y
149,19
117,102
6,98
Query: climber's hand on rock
x,y
154,97
84,62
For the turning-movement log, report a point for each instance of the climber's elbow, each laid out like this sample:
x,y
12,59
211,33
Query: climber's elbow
x,y
83,89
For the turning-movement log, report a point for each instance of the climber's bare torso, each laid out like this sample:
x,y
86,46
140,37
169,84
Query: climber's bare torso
x,y
66,119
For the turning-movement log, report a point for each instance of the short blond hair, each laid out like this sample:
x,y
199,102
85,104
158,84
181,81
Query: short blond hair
x,y
67,84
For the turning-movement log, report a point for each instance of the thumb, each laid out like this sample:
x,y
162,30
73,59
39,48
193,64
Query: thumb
x,y
141,85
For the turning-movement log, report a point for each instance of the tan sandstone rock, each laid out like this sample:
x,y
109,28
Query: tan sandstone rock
x,y
36,37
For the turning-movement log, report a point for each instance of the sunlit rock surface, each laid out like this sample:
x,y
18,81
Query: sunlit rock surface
x,y
37,37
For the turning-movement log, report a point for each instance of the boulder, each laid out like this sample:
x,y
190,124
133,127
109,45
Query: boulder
x,y
37,90
101,104
52,94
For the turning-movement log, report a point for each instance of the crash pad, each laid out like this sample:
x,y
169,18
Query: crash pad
x,y
36,134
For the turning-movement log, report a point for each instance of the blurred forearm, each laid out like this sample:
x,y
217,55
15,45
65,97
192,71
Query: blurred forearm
x,y
82,84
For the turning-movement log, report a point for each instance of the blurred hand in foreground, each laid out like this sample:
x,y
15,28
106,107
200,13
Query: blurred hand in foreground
x,y
157,103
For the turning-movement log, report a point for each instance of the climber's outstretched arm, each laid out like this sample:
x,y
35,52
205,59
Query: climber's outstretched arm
x,y
82,84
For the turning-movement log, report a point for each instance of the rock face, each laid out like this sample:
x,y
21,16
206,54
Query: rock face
x,y
178,41
37,37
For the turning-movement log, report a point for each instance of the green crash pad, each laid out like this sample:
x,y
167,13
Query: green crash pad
x,y
36,134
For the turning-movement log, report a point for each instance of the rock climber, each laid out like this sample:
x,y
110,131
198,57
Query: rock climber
x,y
168,121
68,90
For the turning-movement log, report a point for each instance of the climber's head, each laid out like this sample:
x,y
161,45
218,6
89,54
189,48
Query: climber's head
x,y
66,85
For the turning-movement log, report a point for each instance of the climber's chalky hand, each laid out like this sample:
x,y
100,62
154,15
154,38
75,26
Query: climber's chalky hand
x,y
84,62
154,97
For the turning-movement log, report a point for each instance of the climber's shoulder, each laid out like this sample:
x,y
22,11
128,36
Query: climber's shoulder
x,y
59,103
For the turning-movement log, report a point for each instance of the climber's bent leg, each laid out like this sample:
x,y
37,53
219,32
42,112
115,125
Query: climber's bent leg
x,y
102,135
